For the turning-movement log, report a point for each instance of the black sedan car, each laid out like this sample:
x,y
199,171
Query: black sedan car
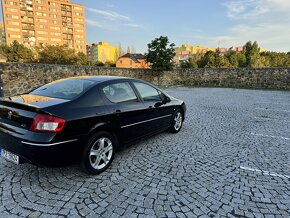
x,y
85,120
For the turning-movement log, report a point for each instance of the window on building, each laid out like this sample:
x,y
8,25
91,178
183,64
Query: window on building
x,y
13,29
12,22
11,3
79,14
15,36
12,9
39,1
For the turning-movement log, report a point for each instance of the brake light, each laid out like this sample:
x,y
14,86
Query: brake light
x,y
47,123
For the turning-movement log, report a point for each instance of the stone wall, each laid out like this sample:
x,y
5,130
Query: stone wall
x,y
18,78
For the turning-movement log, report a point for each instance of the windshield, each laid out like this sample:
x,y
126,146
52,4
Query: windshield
x,y
65,89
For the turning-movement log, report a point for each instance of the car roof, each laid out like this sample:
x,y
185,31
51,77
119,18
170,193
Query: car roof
x,y
99,79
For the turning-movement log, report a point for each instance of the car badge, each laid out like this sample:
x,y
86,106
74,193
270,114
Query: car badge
x,y
9,115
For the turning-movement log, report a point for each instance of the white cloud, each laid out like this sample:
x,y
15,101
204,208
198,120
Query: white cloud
x,y
253,9
134,25
265,21
99,25
109,14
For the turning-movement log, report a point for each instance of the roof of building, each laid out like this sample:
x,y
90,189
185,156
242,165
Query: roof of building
x,y
134,57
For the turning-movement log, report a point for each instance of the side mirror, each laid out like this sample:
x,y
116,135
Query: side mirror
x,y
166,99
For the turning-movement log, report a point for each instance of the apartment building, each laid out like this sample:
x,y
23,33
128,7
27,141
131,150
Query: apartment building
x,y
2,34
52,22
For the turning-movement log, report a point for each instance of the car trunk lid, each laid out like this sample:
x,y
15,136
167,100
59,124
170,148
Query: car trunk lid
x,y
19,111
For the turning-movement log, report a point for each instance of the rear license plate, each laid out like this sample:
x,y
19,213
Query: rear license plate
x,y
9,156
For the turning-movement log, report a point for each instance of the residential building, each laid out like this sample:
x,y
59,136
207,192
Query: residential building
x,y
132,61
52,22
222,50
186,51
239,49
102,52
2,34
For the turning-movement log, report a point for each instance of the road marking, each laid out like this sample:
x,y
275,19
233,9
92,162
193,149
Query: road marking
x,y
265,109
271,103
271,119
270,136
264,172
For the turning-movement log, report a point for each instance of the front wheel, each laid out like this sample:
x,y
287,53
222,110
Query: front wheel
x,y
99,153
176,122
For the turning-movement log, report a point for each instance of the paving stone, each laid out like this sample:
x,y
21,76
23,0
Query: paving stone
x,y
230,159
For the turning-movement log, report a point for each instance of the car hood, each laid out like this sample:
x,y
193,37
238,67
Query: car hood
x,y
35,100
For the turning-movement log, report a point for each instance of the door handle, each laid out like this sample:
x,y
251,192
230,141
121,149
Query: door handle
x,y
150,107
118,112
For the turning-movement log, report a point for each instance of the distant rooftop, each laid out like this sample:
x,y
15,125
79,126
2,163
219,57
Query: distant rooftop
x,y
135,57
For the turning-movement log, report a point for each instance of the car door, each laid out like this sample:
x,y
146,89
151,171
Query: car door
x,y
126,109
158,111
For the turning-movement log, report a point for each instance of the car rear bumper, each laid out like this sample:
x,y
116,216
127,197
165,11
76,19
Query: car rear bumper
x,y
54,153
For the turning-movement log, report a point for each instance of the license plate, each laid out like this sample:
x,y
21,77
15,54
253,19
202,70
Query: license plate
x,y
9,156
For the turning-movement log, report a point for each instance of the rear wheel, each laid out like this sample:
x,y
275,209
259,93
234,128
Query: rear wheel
x,y
99,153
176,122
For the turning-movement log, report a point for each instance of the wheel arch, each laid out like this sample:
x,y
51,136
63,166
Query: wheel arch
x,y
106,127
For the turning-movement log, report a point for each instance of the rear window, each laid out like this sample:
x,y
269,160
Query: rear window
x,y
65,89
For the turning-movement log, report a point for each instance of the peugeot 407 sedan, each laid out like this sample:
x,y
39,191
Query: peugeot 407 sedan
x,y
84,120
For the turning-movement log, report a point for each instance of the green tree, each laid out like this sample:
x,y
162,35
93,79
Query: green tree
x,y
81,58
99,64
160,54
236,59
276,59
60,54
16,52
214,60
252,53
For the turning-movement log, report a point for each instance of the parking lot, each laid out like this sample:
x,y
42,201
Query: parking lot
x,y
232,158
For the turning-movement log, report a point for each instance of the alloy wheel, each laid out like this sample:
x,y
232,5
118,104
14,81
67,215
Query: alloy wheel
x,y
101,153
177,121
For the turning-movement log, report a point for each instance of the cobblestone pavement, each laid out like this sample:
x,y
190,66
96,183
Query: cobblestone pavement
x,y
232,158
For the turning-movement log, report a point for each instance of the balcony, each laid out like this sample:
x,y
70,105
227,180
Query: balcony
x,y
65,24
27,34
28,27
68,31
66,14
66,19
26,8
27,14
66,8
26,20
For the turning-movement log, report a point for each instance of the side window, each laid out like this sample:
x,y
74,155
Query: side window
x,y
120,92
148,93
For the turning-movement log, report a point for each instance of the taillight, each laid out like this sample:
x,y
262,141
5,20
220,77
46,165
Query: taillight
x,y
47,123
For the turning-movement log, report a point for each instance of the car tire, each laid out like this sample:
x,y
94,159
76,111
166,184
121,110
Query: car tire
x,y
177,122
99,153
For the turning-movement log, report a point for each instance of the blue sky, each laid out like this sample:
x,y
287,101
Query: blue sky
x,y
212,23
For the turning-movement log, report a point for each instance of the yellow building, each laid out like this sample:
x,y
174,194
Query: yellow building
x,y
102,52
53,22
186,49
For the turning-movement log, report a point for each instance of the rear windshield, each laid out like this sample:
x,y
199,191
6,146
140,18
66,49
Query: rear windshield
x,y
65,89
